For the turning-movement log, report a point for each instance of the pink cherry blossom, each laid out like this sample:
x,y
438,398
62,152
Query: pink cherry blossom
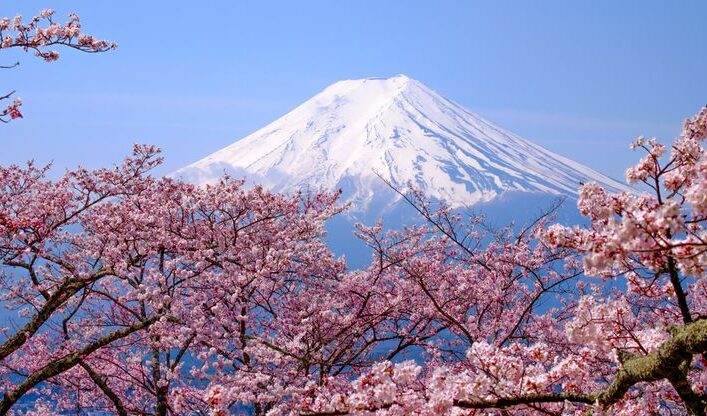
x,y
37,35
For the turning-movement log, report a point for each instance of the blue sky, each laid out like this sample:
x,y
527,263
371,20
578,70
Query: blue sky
x,y
581,78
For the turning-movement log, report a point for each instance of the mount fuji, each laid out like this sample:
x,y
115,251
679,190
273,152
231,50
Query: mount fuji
x,y
356,132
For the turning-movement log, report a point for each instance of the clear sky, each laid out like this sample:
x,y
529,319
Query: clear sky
x,y
581,78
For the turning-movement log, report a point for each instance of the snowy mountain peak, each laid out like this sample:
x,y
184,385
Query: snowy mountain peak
x,y
399,129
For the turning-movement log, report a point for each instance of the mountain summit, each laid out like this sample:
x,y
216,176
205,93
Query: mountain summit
x,y
355,130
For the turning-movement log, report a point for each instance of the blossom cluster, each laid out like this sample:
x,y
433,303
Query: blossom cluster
x,y
12,111
38,34
32,35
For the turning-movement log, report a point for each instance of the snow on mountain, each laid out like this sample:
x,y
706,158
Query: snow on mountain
x,y
399,129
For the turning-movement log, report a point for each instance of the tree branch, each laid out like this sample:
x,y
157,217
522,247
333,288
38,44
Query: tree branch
x,y
101,383
63,364
670,361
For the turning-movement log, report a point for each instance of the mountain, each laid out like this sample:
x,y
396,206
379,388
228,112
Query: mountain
x,y
397,128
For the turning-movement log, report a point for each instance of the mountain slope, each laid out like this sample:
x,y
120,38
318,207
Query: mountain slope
x,y
403,131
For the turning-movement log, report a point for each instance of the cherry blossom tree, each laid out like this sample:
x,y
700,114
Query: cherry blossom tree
x,y
118,279
38,35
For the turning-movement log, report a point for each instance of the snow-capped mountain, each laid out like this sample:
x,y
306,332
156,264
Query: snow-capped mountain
x,y
355,130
